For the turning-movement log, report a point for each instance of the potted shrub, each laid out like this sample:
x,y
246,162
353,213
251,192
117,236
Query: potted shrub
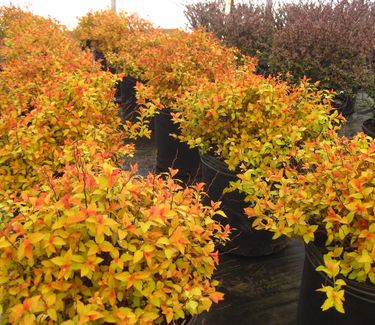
x,y
49,109
252,124
120,39
328,41
180,59
113,32
328,200
103,245
25,66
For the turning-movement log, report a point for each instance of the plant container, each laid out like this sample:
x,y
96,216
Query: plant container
x,y
245,240
171,153
127,98
359,302
368,127
344,104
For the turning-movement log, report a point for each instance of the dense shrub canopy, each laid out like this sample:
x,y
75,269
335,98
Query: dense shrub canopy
x,y
120,37
179,61
249,27
81,240
328,199
332,42
328,41
251,121
53,97
108,247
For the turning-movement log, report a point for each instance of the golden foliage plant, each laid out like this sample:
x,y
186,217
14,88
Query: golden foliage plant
x,y
178,61
82,241
121,37
103,245
251,121
34,49
329,195
52,97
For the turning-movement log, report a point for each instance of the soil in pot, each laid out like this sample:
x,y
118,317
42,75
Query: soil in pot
x,y
245,240
171,153
359,302
368,127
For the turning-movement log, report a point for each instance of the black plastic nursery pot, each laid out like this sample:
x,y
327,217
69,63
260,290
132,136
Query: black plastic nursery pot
x,y
171,153
126,97
344,104
359,302
368,127
245,240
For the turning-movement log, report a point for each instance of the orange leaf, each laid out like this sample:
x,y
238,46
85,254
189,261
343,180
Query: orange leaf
x,y
216,297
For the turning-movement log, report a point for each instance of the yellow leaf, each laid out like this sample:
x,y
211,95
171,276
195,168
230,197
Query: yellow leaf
x,y
58,260
121,234
138,285
163,241
169,253
68,322
52,314
123,277
4,279
36,237
58,241
28,319
328,303
138,255
50,300
221,213
365,258
93,250
4,243
85,270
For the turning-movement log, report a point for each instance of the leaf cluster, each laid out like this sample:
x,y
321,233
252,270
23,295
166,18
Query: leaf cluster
x,y
181,59
251,121
168,62
53,98
329,198
119,36
108,247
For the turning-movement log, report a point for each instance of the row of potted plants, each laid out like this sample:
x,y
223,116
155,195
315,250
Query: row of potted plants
x,y
266,131
297,177
81,240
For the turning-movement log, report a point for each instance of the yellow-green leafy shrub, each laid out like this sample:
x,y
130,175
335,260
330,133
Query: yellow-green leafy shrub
x,y
329,195
102,245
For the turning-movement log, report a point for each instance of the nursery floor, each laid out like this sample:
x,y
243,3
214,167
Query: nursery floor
x,y
258,290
